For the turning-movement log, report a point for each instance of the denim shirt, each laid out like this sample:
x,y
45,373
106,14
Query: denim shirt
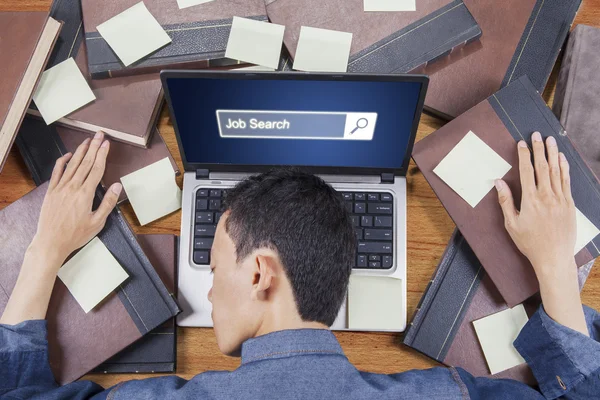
x,y
310,364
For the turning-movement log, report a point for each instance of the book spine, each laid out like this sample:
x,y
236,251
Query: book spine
x,y
542,41
425,41
71,35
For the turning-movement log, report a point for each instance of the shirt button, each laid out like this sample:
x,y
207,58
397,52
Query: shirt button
x,y
561,383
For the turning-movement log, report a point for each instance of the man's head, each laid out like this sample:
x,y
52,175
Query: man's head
x,y
283,252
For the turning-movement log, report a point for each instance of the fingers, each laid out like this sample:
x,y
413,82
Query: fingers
x,y
541,164
554,165
507,203
526,170
75,161
97,171
108,203
58,171
565,178
88,161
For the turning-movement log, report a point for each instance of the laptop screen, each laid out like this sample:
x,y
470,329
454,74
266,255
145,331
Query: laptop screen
x,y
305,122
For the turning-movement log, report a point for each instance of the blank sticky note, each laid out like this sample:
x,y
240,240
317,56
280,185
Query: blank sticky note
x,y
586,231
390,5
190,3
255,42
134,34
62,89
374,303
152,191
322,50
92,274
471,168
496,334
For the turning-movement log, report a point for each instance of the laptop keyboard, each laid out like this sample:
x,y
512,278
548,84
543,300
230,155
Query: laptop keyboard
x,y
372,217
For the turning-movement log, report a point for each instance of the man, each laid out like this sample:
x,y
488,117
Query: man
x,y
281,262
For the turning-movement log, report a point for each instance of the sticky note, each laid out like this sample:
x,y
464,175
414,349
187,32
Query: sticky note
x,y
134,34
255,42
374,303
586,231
496,334
62,89
390,5
322,50
471,168
152,191
92,274
190,3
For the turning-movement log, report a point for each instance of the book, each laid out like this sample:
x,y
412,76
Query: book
x,y
40,145
27,40
459,293
198,34
383,42
508,116
520,37
157,351
126,108
577,97
138,306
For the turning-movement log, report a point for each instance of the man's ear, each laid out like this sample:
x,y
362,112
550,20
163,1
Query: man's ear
x,y
266,268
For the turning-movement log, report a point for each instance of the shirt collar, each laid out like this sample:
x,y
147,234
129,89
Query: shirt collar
x,y
290,343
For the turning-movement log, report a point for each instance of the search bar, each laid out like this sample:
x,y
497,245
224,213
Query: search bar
x,y
259,124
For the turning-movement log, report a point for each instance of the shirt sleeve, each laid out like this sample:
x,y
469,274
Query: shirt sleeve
x,y
564,362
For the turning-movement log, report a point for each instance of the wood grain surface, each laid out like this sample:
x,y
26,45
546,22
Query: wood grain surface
x,y
429,229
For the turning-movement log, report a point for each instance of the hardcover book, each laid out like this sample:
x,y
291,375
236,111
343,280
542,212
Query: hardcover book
x,y
198,34
520,37
26,41
390,42
157,351
459,293
510,115
135,308
577,97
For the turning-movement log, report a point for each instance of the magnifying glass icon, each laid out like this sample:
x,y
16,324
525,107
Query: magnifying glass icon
x,y
360,124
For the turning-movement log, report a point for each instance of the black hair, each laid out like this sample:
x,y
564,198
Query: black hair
x,y
306,222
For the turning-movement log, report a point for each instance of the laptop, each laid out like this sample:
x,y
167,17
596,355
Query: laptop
x,y
354,131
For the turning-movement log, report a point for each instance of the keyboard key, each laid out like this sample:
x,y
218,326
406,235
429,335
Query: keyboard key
x,y
204,217
384,222
386,197
359,208
347,196
378,234
366,220
359,233
360,197
387,261
201,257
375,247
215,193
374,264
373,197
355,220
202,243
201,204
202,193
374,257
380,208
361,261
205,230
349,206
218,216
214,204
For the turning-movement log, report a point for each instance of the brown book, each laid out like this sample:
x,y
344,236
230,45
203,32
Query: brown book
x,y
123,159
136,307
126,109
519,37
199,34
510,115
26,41
577,97
382,42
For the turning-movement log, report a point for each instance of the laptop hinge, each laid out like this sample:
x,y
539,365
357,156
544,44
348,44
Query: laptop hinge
x,y
387,177
202,174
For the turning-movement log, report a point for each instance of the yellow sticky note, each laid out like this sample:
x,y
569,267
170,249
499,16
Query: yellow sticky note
x,y
586,231
322,50
374,303
255,42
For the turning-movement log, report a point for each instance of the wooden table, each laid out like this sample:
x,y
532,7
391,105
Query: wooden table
x,y
429,228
